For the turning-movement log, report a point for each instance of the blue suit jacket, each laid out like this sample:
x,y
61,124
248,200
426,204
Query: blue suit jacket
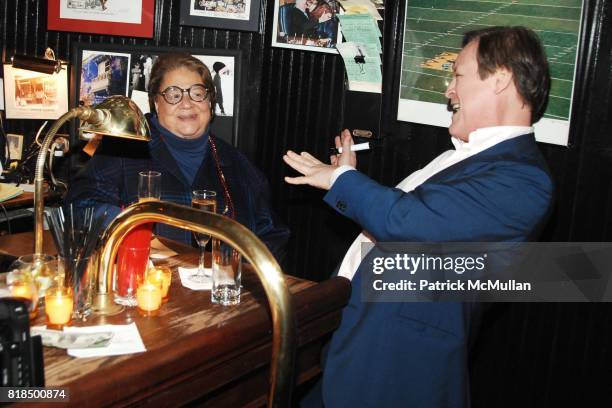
x,y
415,354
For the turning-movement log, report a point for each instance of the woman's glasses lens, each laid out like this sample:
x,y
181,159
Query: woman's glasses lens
x,y
174,94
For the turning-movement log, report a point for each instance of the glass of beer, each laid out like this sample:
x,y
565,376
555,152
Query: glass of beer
x,y
203,200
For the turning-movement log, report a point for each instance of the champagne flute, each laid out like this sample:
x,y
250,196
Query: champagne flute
x,y
203,200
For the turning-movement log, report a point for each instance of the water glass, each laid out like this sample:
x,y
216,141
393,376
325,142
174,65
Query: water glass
x,y
149,185
226,274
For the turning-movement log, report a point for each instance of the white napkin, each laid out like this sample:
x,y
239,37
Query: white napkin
x,y
126,340
160,251
185,273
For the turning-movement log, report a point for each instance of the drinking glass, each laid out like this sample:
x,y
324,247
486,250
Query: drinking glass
x,y
226,274
149,185
203,200
42,268
133,254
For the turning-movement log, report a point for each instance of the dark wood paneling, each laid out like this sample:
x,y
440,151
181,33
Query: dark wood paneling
x,y
530,355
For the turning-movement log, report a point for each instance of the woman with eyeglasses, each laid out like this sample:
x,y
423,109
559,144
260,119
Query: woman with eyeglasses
x,y
182,101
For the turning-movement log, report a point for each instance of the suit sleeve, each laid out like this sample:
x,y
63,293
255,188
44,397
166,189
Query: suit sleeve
x,y
502,203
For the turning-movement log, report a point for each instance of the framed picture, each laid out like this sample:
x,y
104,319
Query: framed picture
x,y
1,94
227,14
14,146
132,18
33,95
430,50
310,25
102,70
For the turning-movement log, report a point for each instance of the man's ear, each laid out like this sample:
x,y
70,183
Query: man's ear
x,y
503,79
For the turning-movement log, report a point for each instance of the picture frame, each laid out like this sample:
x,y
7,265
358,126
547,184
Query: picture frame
x,y
132,18
428,57
14,146
306,25
241,15
34,95
2,94
125,73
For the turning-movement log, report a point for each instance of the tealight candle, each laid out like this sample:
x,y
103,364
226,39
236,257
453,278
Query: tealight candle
x,y
58,307
149,298
22,290
161,275
21,285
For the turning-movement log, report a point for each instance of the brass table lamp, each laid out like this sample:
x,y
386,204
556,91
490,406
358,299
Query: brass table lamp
x,y
116,116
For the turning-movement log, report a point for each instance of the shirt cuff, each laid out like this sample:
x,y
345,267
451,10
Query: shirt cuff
x,y
338,172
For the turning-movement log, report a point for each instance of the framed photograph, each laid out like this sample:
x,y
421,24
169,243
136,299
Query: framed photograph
x,y
102,74
430,51
310,25
102,70
33,95
240,15
14,146
1,94
132,18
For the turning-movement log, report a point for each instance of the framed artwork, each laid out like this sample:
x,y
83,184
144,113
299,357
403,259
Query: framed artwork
x,y
14,146
132,18
102,70
240,15
33,95
310,25
1,94
432,40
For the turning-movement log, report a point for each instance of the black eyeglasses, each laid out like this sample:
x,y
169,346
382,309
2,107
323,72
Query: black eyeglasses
x,y
174,94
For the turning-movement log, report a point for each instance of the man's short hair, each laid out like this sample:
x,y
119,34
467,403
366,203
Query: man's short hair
x,y
519,50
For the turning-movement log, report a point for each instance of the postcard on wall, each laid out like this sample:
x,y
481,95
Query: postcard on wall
x,y
222,71
33,95
432,40
14,146
306,25
103,74
237,9
102,10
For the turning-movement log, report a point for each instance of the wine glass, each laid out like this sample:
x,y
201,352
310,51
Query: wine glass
x,y
203,200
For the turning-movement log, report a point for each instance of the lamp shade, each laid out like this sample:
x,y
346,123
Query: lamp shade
x,y
36,64
120,117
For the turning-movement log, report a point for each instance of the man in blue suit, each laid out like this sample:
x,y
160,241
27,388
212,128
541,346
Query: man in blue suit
x,y
493,187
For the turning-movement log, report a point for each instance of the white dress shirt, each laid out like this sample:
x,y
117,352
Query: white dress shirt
x,y
479,140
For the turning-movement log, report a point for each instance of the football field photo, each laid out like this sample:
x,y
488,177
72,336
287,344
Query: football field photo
x,y
434,30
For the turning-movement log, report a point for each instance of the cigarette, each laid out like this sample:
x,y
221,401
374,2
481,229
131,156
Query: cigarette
x,y
354,148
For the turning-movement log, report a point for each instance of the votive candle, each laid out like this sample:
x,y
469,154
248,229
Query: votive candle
x,y
58,307
149,298
161,275
22,290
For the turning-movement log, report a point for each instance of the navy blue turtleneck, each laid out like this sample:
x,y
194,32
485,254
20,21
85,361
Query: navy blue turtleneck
x,y
188,153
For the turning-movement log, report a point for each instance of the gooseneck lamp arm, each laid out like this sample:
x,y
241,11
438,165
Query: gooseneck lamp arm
x,y
241,238
116,116
84,113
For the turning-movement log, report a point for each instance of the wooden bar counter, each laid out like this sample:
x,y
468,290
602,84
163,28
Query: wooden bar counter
x,y
198,352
